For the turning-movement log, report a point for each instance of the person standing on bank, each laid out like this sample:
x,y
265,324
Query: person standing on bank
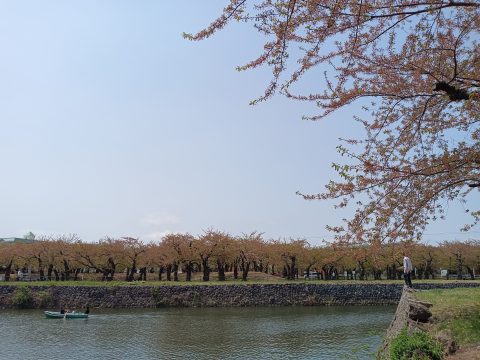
x,y
407,270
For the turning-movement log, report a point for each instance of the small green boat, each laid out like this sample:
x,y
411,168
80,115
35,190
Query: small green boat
x,y
67,315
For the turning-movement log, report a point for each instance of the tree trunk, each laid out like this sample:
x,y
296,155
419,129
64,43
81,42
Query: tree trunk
x,y
8,270
470,272
459,267
67,270
188,270
169,272
131,276
41,270
221,271
175,271
235,271
49,272
291,275
392,272
105,273
75,274
143,274
420,272
246,268
206,270
112,268
288,270
429,272
361,270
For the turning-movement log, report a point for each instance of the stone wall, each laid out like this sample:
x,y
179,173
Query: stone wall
x,y
212,295
410,314
206,295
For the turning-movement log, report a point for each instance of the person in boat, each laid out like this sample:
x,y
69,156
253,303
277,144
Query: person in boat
x,y
87,310
62,311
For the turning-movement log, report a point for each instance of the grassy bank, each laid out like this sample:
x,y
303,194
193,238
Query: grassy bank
x,y
456,311
253,278
94,280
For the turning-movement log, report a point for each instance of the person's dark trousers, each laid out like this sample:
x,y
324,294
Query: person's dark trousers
x,y
408,280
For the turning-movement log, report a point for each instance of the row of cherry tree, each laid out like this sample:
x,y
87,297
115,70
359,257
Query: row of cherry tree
x,y
65,257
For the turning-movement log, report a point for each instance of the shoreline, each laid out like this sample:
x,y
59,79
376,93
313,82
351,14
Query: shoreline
x,y
39,296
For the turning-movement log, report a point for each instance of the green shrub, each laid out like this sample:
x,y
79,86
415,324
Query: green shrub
x,y
416,346
22,298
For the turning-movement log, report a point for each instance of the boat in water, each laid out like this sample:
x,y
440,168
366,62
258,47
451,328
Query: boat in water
x,y
67,315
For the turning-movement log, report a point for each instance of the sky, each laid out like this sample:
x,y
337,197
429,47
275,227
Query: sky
x,y
112,124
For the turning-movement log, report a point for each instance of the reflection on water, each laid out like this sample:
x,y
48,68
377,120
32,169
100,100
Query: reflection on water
x,y
210,333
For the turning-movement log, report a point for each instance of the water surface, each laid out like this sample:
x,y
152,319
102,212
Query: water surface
x,y
352,332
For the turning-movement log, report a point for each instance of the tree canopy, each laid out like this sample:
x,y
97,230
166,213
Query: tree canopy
x,y
67,257
414,66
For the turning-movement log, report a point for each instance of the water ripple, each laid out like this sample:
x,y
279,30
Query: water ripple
x,y
234,333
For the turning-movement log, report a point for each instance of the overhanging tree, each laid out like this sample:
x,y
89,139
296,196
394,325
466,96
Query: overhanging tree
x,y
414,66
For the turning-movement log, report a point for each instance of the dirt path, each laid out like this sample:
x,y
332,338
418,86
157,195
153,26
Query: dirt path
x,y
471,352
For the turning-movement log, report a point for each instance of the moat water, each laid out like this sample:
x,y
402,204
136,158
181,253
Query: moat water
x,y
349,332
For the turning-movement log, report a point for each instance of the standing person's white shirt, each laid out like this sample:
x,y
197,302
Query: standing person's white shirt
x,y
407,265
407,269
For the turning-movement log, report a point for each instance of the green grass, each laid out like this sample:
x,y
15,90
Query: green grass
x,y
415,346
94,280
465,330
457,310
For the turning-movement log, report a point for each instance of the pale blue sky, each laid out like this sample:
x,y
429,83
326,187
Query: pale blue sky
x,y
112,124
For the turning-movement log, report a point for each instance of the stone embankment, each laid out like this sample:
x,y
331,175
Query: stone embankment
x,y
415,315
410,314
205,295
209,295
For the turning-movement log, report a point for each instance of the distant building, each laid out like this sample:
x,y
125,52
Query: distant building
x,y
16,240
